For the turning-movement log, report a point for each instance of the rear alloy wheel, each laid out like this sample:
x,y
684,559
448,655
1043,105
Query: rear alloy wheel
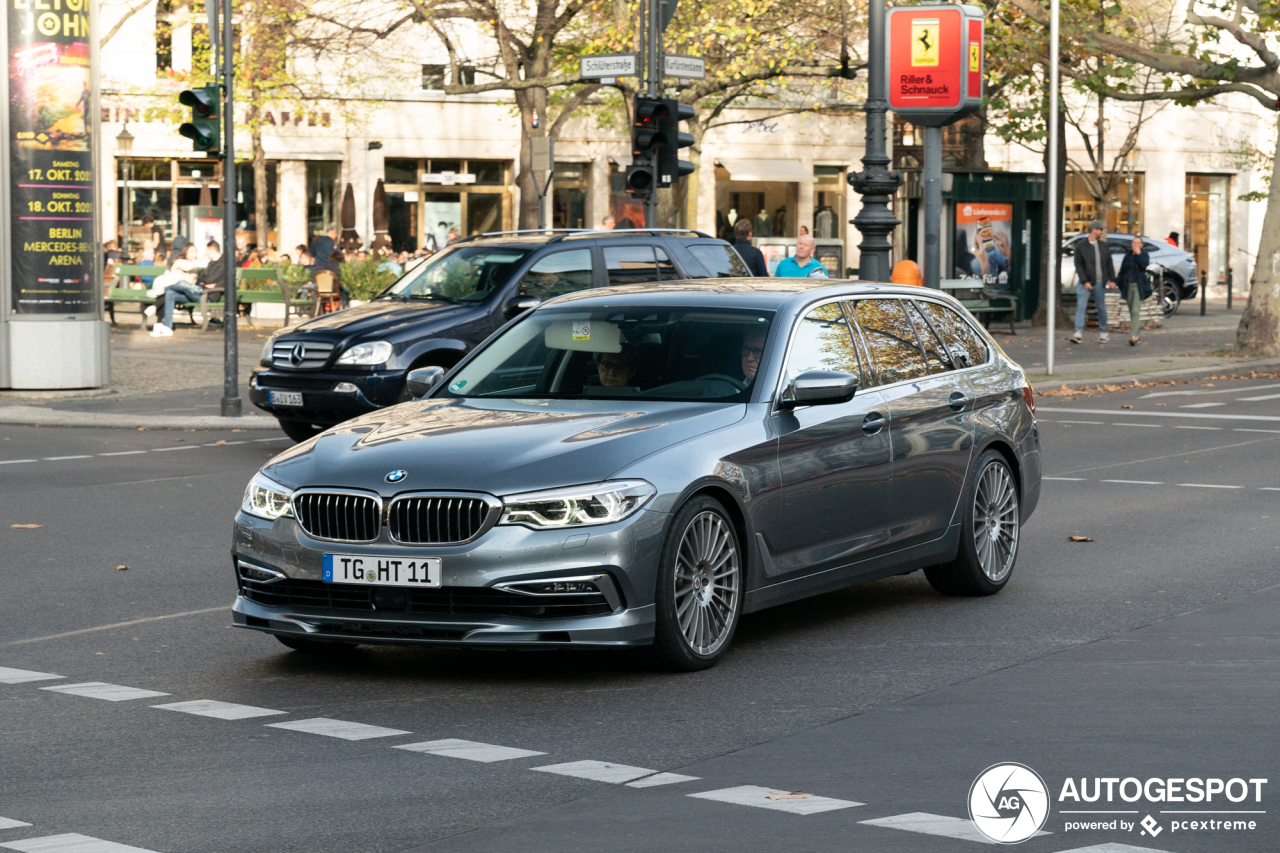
x,y
315,647
988,537
699,590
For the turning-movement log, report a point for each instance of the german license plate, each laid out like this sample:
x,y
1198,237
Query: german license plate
x,y
382,571
285,398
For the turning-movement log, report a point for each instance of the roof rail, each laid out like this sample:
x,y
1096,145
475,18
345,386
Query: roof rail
x,y
561,231
597,232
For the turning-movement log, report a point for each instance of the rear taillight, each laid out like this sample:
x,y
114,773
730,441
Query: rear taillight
x,y
1030,397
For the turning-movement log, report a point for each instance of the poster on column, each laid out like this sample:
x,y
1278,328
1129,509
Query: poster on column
x,y
984,243
51,157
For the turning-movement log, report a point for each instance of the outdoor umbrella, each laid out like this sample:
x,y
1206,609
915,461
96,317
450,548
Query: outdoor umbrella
x,y
381,238
350,240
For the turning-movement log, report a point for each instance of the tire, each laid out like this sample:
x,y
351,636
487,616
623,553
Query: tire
x,y
984,562
312,647
700,588
1171,297
299,430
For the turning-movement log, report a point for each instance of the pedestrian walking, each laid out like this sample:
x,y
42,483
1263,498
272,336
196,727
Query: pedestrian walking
x,y
1134,285
804,264
1095,274
608,223
752,256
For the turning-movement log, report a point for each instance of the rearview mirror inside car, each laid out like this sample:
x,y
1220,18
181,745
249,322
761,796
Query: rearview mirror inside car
x,y
421,380
521,304
820,387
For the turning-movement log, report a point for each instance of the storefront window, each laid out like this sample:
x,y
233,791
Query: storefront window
x,y
1079,207
324,197
401,171
489,173
1206,227
569,196
474,199
769,204
828,203
402,218
246,205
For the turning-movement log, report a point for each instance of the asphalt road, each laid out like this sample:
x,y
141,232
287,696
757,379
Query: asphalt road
x,y
1148,652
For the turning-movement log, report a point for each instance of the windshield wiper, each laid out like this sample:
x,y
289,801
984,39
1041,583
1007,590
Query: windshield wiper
x,y
435,297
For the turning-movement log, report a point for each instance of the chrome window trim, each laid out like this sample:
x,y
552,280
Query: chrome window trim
x,y
965,318
358,493
781,387
490,519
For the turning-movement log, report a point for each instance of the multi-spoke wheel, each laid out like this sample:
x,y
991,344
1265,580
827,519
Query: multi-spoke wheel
x,y
989,539
699,589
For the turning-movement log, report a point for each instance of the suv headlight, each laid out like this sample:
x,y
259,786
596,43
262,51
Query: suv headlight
x,y
265,358
577,506
267,499
376,352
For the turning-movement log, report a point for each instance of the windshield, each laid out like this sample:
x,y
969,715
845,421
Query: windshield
x,y
651,352
459,274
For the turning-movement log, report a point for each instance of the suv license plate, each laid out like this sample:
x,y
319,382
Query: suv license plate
x,y
285,398
382,571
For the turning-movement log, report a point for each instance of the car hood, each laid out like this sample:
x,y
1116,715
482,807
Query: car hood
x,y
377,316
496,446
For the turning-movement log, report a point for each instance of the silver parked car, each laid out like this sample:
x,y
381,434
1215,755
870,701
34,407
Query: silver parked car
x,y
1178,266
639,466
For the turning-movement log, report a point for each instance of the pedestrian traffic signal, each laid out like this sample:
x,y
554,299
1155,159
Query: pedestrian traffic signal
x,y
205,128
670,167
639,179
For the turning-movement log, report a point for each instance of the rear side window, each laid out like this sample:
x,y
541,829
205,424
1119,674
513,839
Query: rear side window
x,y
630,264
966,347
934,354
558,274
891,338
666,269
719,260
823,342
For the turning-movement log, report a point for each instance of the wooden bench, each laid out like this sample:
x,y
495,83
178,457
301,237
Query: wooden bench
x,y
990,301
122,295
276,292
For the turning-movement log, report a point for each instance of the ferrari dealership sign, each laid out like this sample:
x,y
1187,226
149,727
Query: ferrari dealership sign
x,y
935,62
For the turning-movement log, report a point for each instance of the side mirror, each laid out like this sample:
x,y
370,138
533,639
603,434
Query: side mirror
x,y
521,304
821,387
421,380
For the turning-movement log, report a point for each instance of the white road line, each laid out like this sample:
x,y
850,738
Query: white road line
x,y
1153,426
753,795
661,779
469,750
1268,489
281,438
180,447
1221,417
104,691
1255,399
10,823
338,728
1246,429
1201,393
1113,847
124,453
1072,479
1184,426
1201,405
1207,486
1138,482
219,710
61,458
22,676
1095,423
598,771
70,843
16,461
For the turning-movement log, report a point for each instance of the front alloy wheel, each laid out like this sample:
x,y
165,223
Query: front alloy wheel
x,y
699,590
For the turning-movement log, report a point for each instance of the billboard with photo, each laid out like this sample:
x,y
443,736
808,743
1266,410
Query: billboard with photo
x,y
984,243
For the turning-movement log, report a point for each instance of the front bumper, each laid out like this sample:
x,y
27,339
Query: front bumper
x,y
467,610
322,404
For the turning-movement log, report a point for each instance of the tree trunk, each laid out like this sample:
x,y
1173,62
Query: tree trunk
x,y
529,102
1259,330
260,206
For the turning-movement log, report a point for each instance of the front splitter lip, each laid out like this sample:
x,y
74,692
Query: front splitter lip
x,y
626,628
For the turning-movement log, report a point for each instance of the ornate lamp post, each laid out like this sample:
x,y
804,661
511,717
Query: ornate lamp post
x,y
875,183
124,146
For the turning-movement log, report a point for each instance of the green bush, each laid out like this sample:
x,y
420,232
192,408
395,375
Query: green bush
x,y
362,279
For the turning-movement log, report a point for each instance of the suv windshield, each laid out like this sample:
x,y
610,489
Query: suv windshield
x,y
460,274
654,352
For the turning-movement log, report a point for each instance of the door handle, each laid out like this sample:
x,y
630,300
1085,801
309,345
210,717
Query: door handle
x,y
958,401
873,423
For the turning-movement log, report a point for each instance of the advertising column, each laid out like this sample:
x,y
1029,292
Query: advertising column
x,y
53,334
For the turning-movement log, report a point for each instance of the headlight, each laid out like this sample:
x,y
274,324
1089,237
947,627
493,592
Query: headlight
x,y
577,506
267,499
376,352
265,358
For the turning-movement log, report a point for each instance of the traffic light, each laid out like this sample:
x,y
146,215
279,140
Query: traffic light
x,y
205,128
646,141
670,167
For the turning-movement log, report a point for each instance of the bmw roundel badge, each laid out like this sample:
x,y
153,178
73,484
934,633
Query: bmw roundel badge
x,y
396,476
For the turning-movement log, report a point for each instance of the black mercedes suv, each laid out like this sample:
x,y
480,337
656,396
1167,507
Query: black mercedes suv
x,y
350,362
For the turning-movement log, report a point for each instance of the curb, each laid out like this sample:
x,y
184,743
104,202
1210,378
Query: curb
x,y
37,416
1229,366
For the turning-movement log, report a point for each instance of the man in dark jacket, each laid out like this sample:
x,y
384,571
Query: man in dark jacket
x,y
1095,274
753,257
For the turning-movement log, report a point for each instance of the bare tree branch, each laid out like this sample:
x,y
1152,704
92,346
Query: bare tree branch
x,y
133,10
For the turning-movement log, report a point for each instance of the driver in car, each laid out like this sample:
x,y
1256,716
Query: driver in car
x,y
617,369
752,350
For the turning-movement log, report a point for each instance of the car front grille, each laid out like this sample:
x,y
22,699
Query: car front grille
x,y
438,519
469,602
340,516
300,355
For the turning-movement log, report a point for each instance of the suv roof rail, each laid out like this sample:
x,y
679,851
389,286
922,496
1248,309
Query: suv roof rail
x,y
597,232
561,231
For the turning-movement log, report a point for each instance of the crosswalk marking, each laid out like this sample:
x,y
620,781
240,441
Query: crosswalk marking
x,y
10,823
104,691
932,824
218,710
337,728
71,842
597,771
22,676
469,750
757,797
661,779
1113,847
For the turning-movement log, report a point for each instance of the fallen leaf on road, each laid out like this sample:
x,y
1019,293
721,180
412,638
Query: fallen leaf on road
x,y
1126,407
121,568
794,795
142,429
1079,539
237,430
1161,405
221,441
25,526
